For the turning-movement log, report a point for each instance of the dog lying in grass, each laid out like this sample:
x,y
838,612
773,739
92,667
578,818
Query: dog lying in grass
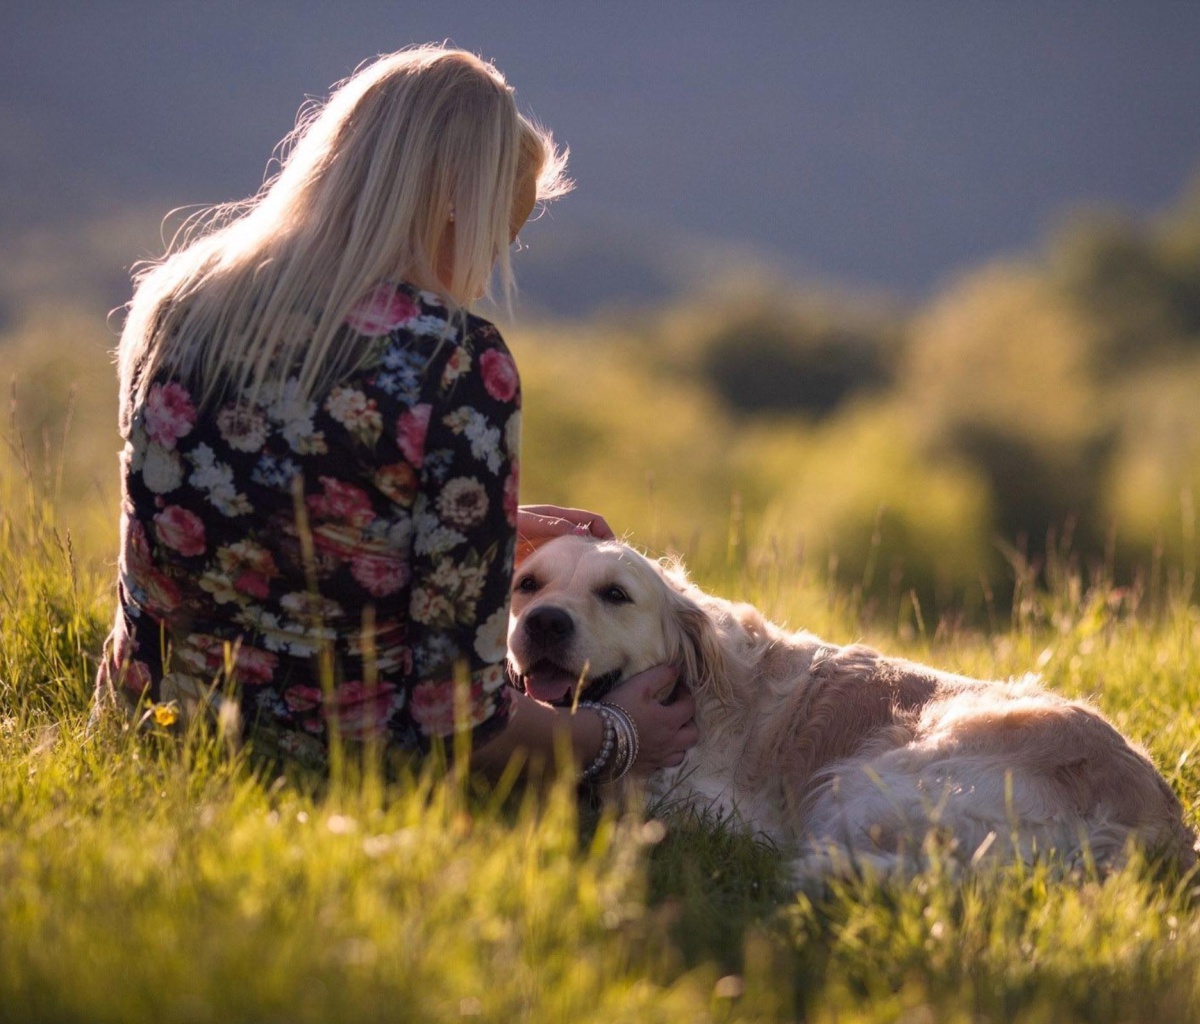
x,y
842,754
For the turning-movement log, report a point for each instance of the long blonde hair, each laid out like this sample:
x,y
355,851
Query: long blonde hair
x,y
366,186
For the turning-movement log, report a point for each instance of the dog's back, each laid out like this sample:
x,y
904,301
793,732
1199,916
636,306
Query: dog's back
x,y
826,747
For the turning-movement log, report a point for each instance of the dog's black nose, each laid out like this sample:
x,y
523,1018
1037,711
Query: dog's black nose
x,y
549,626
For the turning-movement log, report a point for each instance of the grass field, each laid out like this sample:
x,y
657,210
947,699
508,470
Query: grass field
x,y
144,881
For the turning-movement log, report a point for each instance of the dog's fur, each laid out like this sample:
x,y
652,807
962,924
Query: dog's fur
x,y
840,753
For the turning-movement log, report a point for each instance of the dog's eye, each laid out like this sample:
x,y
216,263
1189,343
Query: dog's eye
x,y
614,595
526,585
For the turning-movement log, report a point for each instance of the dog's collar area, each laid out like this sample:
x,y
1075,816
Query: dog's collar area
x,y
600,687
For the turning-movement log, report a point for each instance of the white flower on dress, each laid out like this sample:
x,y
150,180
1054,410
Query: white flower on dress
x,y
309,607
491,637
399,533
493,677
303,438
284,637
464,582
432,326
243,428
484,438
431,537
217,479
428,607
162,469
354,411
447,596
458,364
263,622
463,502
220,586
294,413
290,405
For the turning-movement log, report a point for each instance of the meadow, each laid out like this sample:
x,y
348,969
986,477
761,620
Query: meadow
x,y
144,879
998,482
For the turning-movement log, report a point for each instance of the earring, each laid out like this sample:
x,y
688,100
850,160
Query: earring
x,y
452,215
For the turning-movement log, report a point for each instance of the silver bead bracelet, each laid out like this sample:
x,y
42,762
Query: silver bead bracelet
x,y
619,747
607,743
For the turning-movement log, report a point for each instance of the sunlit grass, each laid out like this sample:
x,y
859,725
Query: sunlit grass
x,y
141,879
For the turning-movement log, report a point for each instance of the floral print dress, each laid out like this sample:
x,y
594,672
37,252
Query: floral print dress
x,y
344,558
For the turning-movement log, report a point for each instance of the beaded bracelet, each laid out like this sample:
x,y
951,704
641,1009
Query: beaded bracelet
x,y
635,741
620,744
628,741
607,744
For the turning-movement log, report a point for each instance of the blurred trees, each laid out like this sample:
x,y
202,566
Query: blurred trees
x,y
1000,377
902,450
773,361
1140,284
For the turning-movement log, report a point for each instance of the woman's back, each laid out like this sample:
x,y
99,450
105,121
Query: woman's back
x,y
333,557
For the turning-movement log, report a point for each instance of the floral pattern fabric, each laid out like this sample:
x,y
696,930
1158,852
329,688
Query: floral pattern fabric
x,y
341,557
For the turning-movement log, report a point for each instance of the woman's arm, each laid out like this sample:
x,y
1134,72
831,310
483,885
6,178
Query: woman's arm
x,y
666,731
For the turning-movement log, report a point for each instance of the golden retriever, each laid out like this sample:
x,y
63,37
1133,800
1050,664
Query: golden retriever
x,y
841,754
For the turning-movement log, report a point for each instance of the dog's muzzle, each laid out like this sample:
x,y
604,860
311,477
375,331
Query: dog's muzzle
x,y
549,629
546,636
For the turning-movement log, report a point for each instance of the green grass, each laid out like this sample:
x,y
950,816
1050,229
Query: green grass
x,y
141,879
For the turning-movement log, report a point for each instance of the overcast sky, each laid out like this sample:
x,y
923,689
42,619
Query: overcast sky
x,y
886,143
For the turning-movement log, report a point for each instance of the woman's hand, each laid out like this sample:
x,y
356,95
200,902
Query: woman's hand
x,y
665,731
537,524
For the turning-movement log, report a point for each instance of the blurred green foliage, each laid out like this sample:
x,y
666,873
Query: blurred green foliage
x,y
925,457
772,362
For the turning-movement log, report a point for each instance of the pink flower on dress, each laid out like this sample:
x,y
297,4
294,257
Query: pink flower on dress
x,y
342,501
134,676
254,667
253,584
363,711
249,566
169,414
511,489
136,545
302,698
207,654
181,530
411,428
433,706
159,594
383,309
380,574
499,374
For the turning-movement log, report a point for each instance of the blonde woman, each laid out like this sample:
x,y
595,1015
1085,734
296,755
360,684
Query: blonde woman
x,y
319,509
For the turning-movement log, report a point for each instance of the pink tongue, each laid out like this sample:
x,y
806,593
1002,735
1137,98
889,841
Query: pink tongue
x,y
549,684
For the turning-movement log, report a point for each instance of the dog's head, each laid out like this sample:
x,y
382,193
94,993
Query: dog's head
x,y
593,613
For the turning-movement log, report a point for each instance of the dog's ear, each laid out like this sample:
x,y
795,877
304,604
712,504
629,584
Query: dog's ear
x,y
696,642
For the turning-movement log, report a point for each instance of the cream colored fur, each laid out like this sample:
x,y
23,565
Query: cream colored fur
x,y
846,756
